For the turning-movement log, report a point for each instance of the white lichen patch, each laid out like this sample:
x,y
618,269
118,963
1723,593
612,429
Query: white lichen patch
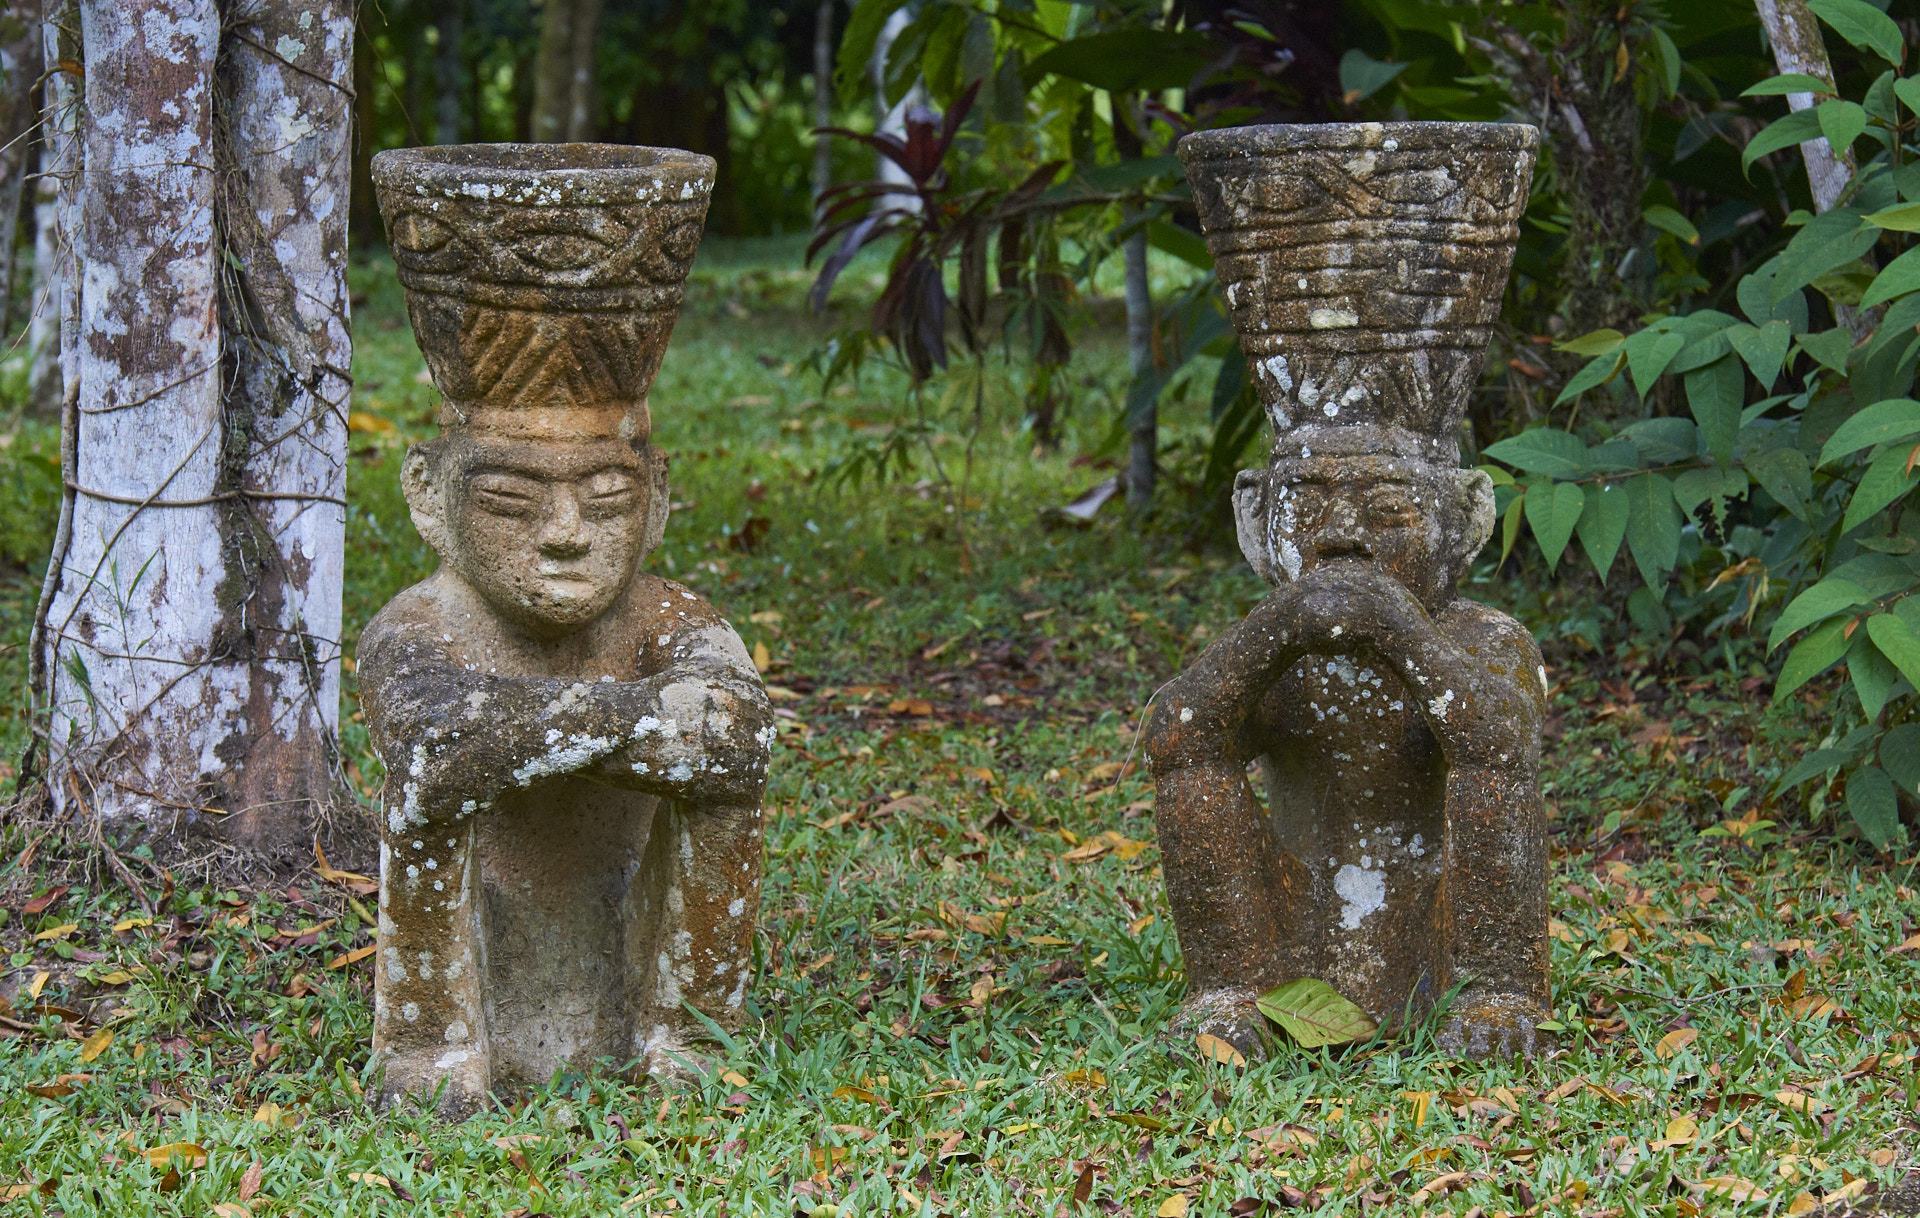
x,y
1362,890
1439,705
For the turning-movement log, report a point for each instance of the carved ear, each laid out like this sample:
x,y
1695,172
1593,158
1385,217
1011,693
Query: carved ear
x,y
426,492
1475,491
659,499
1250,522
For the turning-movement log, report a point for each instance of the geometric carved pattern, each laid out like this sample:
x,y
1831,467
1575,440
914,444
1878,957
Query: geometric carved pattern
x,y
543,277
1364,265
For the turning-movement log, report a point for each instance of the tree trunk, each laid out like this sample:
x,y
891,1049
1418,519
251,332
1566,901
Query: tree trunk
x,y
56,300
583,86
19,70
893,120
1797,47
553,74
1142,451
449,68
822,97
50,256
192,640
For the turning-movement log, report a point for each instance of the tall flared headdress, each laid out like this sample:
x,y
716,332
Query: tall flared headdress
x,y
1364,265
543,280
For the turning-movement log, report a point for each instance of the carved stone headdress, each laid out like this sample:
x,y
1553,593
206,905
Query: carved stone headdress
x,y
1364,264
543,280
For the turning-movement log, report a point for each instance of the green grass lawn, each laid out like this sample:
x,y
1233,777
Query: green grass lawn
x,y
966,961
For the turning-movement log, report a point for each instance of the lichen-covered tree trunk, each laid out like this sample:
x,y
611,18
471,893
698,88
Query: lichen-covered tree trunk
x,y
19,70
191,644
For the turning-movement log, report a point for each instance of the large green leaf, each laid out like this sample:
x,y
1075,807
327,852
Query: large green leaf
x,y
1648,354
1764,348
1553,509
857,41
1542,450
1872,674
1829,348
1832,238
1896,640
1663,441
1885,481
1818,603
1603,525
1715,394
1595,373
1900,756
1653,527
1863,25
1790,82
1599,342
1795,128
1361,75
1810,657
1785,474
1315,1014
1871,803
1841,122
1715,486
1880,423
1901,276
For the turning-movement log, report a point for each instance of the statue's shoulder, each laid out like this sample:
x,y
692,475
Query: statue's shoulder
x,y
1502,641
421,614
679,605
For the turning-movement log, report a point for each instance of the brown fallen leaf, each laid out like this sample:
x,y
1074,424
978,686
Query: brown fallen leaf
x,y
1675,1041
1216,1050
45,901
353,957
250,1180
1083,1187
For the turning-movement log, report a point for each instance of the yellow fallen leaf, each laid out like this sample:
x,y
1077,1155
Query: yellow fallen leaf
x,y
38,983
126,924
116,977
353,957
1022,1127
1139,924
1214,1049
858,1093
1421,1101
368,424
367,1177
274,1116
762,657
1805,1203
1675,1041
735,1077
1811,1105
1846,1192
1694,937
1556,929
1682,1129
1048,941
57,932
1734,1187
513,1141
1912,944
93,1046
160,1156
986,924
1173,1207
231,1209
1091,1079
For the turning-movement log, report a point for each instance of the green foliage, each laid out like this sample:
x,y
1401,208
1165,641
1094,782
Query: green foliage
x,y
1807,492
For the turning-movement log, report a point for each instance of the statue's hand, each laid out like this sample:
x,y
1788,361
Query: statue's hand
x,y
1349,607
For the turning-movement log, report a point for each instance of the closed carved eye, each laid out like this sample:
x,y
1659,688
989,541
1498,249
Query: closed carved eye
x,y
560,251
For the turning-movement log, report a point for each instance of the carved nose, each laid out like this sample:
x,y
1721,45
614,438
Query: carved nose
x,y
1342,536
563,533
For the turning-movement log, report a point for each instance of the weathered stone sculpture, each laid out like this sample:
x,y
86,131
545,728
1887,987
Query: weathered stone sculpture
x,y
575,749
1397,727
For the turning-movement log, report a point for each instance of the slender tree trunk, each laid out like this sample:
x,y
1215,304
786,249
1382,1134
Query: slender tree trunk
x,y
1142,452
1797,47
192,638
19,70
553,74
449,69
50,255
822,97
893,119
583,85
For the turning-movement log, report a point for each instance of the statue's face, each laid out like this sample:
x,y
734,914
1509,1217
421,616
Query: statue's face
x,y
548,533
1397,514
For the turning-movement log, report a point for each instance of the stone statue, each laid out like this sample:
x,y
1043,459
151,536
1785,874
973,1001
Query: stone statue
x,y
575,749
1396,726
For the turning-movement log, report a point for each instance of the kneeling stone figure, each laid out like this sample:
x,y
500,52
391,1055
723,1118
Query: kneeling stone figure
x,y
1397,726
576,750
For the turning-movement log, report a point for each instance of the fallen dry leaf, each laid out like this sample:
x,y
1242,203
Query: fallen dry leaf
x,y
1214,1049
1801,1102
250,1181
93,1046
189,1153
1675,1041
1173,1207
1732,1186
353,957
56,932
